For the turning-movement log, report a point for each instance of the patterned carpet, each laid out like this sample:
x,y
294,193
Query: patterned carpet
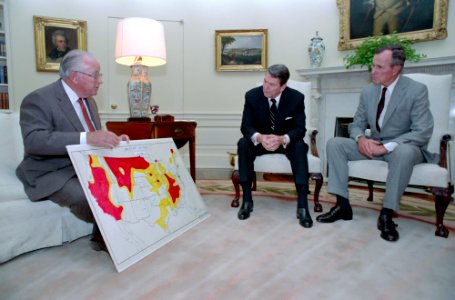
x,y
268,256
415,206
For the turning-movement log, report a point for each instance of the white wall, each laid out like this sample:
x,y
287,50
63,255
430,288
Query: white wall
x,y
189,86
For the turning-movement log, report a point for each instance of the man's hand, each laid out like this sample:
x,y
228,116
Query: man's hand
x,y
270,142
370,147
107,139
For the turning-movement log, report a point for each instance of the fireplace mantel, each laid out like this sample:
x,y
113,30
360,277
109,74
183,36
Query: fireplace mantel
x,y
335,92
440,65
356,77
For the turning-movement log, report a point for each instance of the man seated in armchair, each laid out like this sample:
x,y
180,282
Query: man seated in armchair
x,y
273,121
397,110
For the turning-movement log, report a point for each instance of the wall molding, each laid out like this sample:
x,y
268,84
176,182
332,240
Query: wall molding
x,y
217,134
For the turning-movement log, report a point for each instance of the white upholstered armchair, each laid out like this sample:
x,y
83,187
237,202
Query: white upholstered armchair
x,y
278,163
433,176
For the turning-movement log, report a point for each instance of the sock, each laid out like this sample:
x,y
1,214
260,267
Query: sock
x,y
302,196
343,202
386,212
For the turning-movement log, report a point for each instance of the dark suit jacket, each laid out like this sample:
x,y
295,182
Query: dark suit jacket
x,y
49,122
290,119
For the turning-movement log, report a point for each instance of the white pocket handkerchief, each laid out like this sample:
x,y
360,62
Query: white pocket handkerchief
x,y
288,118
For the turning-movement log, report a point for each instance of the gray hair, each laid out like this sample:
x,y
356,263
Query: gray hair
x,y
73,61
398,54
57,33
279,71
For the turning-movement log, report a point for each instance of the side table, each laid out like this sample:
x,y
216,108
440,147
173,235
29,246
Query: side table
x,y
180,131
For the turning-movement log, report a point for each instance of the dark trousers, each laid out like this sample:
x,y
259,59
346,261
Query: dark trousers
x,y
296,152
72,195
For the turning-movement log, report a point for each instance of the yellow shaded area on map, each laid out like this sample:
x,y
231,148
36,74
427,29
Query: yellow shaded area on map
x,y
124,169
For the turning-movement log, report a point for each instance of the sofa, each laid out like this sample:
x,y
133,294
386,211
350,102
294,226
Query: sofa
x,y
25,225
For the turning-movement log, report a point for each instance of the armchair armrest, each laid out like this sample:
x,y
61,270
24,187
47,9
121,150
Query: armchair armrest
x,y
443,154
312,132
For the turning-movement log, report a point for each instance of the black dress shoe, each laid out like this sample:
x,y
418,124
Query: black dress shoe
x,y
245,210
388,228
98,246
336,213
304,217
97,242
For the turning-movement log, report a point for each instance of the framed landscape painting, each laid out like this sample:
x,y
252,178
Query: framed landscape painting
x,y
241,50
417,20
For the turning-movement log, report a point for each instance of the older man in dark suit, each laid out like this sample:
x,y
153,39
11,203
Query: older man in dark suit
x,y
397,110
274,122
52,117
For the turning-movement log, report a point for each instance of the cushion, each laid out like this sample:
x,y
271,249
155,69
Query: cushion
x,y
11,153
27,225
424,174
279,163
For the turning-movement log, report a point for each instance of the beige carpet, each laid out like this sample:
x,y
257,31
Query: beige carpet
x,y
417,205
268,256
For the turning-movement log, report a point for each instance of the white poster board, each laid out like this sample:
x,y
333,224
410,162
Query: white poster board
x,y
141,195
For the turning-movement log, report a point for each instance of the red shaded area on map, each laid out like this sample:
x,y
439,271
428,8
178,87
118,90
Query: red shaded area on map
x,y
174,189
122,168
100,189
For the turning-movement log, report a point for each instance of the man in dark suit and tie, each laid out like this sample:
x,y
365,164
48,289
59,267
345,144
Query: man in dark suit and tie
x,y
52,117
397,110
273,121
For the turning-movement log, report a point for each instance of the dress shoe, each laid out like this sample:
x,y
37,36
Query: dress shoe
x,y
97,243
388,228
336,213
99,246
304,217
245,210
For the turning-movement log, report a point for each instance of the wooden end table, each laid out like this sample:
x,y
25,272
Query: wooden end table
x,y
180,131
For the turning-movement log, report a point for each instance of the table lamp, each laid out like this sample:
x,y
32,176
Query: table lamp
x,y
140,44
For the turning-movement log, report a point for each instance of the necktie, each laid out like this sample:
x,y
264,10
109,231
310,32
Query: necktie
x,y
380,108
85,114
273,113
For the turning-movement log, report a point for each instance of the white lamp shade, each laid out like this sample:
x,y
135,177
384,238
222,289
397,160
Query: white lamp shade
x,y
140,37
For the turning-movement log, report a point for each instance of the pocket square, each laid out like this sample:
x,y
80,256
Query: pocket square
x,y
288,118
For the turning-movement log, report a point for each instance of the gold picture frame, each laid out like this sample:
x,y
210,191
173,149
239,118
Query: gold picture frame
x,y
49,30
423,21
241,50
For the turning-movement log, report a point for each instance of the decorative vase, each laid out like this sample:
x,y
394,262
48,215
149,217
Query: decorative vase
x,y
316,50
139,92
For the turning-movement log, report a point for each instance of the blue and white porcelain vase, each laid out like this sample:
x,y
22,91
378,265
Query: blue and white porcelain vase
x,y
316,51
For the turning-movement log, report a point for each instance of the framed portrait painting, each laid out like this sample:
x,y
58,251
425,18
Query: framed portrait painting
x,y
241,50
54,38
417,20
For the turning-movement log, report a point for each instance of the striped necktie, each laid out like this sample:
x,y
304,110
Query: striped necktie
x,y
380,108
273,114
85,114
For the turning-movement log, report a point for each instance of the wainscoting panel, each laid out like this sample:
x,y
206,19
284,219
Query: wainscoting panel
x,y
216,135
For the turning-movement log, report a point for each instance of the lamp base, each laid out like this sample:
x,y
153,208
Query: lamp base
x,y
139,92
144,119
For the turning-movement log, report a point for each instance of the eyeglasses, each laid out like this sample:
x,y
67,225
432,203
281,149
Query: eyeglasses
x,y
95,76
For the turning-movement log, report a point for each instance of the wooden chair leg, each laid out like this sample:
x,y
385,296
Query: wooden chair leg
x,y
318,180
236,181
370,190
443,198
